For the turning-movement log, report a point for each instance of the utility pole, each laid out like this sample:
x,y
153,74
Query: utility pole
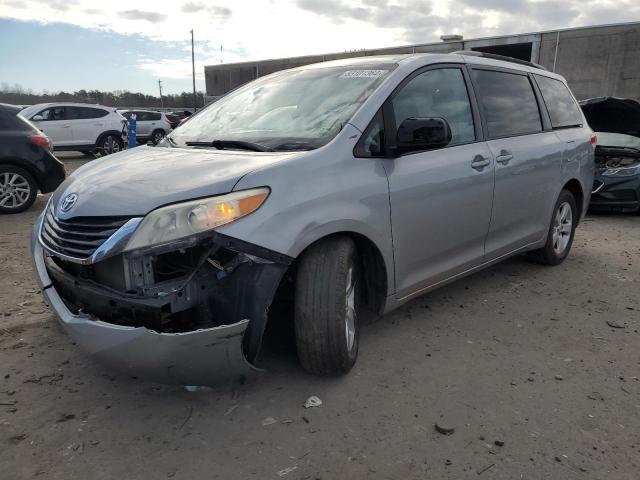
x,y
160,87
193,72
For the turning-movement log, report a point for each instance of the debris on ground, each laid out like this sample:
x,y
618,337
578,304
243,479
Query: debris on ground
x,y
444,429
559,377
482,470
615,324
65,417
268,421
286,471
312,401
499,443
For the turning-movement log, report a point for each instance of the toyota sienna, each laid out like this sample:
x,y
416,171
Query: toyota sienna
x,y
346,187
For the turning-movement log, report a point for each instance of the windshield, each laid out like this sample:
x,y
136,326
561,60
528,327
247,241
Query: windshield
x,y
290,110
608,139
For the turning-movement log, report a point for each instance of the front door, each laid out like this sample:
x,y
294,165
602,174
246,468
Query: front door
x,y
440,199
54,123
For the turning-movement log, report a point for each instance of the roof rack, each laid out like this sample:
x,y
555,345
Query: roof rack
x,y
473,53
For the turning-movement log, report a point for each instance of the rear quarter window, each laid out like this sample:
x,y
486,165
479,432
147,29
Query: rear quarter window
x,y
10,121
508,103
562,108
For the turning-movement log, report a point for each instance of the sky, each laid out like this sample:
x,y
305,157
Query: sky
x,y
69,45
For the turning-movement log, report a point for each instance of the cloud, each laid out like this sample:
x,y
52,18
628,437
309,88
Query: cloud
x,y
135,14
192,7
214,10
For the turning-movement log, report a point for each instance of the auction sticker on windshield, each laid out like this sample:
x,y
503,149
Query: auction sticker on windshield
x,y
363,73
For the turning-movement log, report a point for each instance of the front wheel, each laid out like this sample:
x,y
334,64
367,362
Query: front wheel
x,y
561,232
327,299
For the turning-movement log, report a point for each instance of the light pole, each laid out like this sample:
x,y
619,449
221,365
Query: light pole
x,y
193,73
160,87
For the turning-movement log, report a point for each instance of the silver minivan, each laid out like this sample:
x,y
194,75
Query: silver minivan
x,y
341,189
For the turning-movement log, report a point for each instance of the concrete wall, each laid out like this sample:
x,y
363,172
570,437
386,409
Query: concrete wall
x,y
222,78
597,61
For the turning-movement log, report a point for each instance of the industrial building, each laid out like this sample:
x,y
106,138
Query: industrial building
x,y
596,61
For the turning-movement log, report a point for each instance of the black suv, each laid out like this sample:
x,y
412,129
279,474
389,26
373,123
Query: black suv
x,y
26,162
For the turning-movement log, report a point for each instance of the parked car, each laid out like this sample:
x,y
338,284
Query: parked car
x,y
617,180
347,188
182,114
26,162
150,126
174,120
79,127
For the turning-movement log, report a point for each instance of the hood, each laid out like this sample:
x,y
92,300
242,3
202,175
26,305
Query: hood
x,y
613,115
136,181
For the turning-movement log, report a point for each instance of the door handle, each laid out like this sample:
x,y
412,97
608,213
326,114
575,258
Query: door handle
x,y
65,126
479,162
504,157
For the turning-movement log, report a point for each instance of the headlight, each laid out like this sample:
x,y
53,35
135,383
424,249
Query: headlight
x,y
622,171
175,222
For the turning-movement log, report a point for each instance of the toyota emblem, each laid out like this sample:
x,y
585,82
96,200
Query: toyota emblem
x,y
68,202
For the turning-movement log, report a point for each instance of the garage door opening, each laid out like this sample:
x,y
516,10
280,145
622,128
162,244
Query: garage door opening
x,y
521,51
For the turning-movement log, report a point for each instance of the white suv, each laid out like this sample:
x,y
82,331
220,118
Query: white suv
x,y
79,126
150,125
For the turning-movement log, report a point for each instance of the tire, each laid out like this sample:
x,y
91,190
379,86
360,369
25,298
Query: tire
x,y
561,232
109,144
18,189
157,136
326,305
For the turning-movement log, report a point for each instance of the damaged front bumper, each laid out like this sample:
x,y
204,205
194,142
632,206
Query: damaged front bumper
x,y
209,353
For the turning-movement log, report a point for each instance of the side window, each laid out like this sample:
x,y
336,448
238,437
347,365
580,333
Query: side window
x,y
438,93
127,115
371,144
561,106
153,116
74,113
86,113
141,116
53,113
508,102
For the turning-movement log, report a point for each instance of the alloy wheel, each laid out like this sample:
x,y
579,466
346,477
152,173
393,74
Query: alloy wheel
x,y
110,145
14,190
562,228
350,316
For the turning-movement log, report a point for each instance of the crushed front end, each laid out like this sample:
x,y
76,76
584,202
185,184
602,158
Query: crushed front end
x,y
191,312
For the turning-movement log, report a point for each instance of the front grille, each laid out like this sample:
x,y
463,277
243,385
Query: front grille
x,y
78,237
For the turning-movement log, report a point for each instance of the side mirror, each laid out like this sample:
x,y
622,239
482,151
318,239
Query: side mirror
x,y
415,134
37,118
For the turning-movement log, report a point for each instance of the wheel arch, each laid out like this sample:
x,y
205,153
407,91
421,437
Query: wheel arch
x,y
372,263
108,132
25,166
575,187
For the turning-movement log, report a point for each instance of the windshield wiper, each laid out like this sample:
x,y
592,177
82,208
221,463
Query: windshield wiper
x,y
231,145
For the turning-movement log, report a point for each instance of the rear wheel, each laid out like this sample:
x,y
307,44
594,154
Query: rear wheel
x,y
110,144
157,136
18,189
561,232
327,299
